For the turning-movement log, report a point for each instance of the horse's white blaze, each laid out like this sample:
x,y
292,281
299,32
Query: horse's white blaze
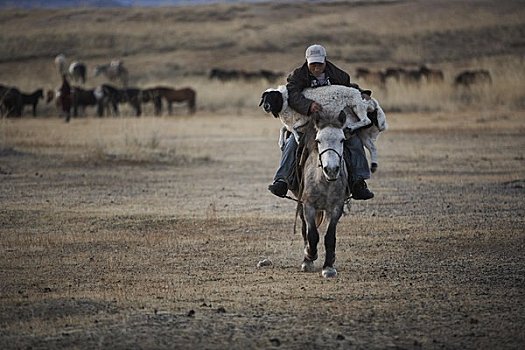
x,y
330,147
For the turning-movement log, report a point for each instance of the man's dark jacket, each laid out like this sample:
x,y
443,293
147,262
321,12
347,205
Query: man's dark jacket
x,y
301,79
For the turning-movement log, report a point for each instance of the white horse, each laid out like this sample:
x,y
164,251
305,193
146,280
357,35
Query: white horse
x,y
114,71
77,72
60,64
322,191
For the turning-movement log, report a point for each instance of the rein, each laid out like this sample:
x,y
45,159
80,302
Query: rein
x,y
293,199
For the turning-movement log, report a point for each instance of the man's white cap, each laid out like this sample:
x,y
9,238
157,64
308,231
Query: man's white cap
x,y
315,54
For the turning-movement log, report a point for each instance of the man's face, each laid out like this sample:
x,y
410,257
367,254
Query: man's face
x,y
316,68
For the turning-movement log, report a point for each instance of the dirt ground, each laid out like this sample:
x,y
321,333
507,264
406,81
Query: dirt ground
x,y
101,248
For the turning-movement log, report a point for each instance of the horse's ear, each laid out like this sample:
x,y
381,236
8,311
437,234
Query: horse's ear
x,y
367,93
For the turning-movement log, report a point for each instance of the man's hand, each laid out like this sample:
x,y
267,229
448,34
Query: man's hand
x,y
314,108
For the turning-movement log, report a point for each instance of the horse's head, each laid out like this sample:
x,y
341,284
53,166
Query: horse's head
x,y
329,139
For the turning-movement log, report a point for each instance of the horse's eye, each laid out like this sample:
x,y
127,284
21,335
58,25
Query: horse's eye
x,y
342,140
317,141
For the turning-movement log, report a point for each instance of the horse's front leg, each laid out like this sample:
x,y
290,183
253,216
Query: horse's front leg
x,y
312,238
329,243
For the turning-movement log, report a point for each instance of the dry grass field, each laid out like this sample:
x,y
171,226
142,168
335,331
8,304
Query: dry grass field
x,y
145,233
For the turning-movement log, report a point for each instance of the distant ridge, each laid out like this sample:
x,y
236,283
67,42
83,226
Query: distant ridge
x,y
29,4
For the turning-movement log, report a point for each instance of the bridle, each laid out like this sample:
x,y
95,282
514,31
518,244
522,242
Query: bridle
x,y
327,150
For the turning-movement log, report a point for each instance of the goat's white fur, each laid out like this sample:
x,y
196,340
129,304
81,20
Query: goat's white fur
x,y
333,99
369,135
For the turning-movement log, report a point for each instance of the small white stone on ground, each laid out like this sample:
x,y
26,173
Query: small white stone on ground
x,y
264,263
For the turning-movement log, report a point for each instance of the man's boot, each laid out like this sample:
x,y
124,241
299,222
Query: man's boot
x,y
279,188
360,190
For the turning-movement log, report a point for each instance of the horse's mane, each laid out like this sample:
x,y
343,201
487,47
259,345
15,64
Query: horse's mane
x,y
310,129
308,139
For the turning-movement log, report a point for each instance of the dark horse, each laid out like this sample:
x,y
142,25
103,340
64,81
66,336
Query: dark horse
x,y
322,188
110,96
83,98
10,101
32,99
153,95
133,96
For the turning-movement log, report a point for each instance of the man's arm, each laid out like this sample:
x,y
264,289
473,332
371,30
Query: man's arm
x,y
295,88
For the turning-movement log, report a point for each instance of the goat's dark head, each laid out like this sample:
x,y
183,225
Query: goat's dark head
x,y
272,101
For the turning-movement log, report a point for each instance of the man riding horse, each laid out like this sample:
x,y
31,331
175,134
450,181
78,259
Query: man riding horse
x,y
316,72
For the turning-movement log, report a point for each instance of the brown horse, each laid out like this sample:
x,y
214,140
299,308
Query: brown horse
x,y
187,95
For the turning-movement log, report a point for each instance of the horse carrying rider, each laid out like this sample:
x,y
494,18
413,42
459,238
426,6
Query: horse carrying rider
x,y
318,71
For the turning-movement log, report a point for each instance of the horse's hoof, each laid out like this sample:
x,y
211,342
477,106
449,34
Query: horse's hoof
x,y
329,272
307,266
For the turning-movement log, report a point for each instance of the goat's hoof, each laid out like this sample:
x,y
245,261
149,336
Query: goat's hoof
x,y
373,167
307,266
329,272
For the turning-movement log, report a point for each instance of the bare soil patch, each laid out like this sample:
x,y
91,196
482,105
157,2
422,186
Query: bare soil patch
x,y
157,247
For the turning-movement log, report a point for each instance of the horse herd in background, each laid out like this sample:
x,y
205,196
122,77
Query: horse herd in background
x,y
224,75
408,76
70,100
422,74
106,98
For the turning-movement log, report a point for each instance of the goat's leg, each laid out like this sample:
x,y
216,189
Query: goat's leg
x,y
282,137
369,137
297,125
358,112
